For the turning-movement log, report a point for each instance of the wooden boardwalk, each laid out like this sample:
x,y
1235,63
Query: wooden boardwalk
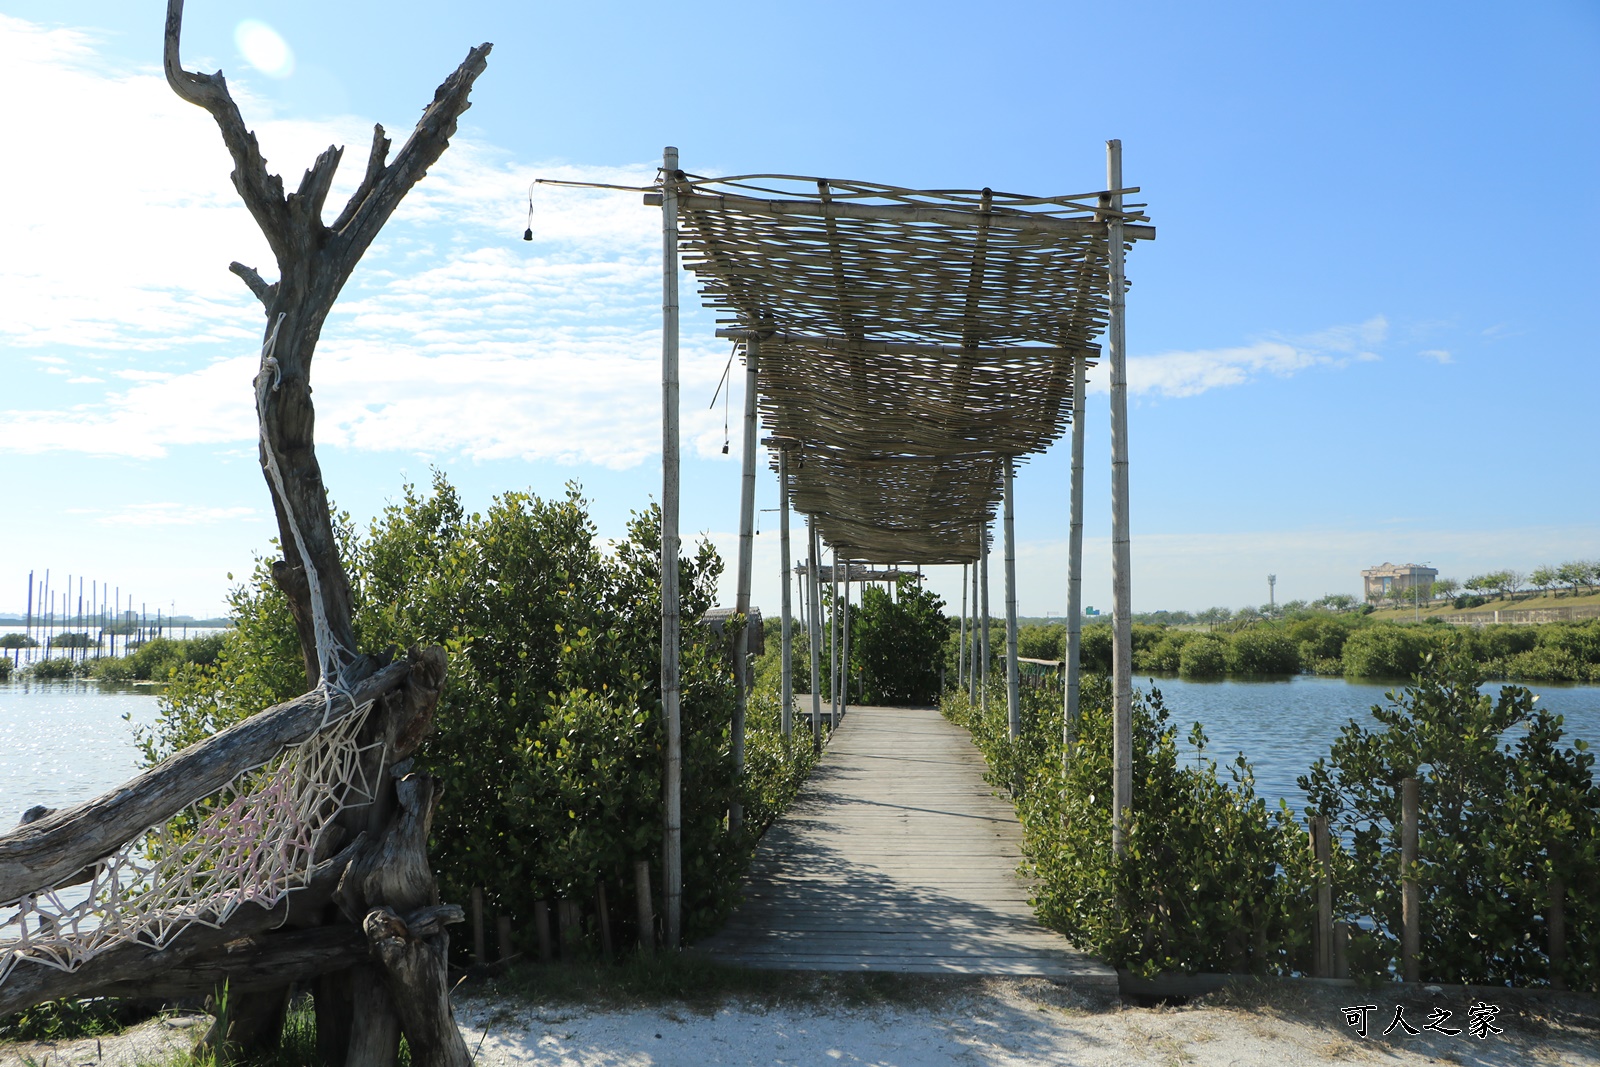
x,y
896,857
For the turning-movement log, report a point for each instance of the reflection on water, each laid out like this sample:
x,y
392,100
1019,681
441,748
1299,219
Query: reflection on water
x,y
1284,725
64,742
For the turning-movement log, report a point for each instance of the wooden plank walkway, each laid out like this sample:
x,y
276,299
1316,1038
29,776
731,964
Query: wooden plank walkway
x,y
896,857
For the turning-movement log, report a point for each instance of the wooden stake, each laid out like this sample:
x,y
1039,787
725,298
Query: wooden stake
x,y
1069,724
1322,854
1013,693
1556,928
787,648
603,914
1341,950
478,954
502,928
741,599
541,924
815,607
1121,556
645,907
672,778
1411,892
567,917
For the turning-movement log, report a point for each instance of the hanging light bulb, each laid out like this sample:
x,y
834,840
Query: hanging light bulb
x,y
527,235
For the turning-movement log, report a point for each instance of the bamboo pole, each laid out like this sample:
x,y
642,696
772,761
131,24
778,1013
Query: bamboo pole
x,y
1121,556
1013,694
844,645
815,608
1074,684
983,620
972,650
961,644
1410,891
672,778
787,625
741,602
833,643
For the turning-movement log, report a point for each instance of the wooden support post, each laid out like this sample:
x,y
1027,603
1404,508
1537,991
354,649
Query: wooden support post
x,y
815,607
645,907
983,616
541,925
1341,950
961,644
478,956
741,600
672,776
1322,856
1410,891
1013,693
787,684
502,929
1074,680
1121,556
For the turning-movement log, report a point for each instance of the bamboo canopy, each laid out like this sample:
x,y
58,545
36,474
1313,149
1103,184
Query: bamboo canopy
x,y
911,342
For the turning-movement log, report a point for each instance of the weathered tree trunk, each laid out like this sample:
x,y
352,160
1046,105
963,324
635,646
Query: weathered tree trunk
x,y
314,260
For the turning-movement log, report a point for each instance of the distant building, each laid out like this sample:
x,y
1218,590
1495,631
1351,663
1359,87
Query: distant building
x,y
1389,579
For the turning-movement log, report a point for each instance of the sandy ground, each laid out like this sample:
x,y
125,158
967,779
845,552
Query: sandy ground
x,y
1012,1022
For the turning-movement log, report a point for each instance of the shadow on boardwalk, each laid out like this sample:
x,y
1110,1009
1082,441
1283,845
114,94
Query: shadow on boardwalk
x,y
896,857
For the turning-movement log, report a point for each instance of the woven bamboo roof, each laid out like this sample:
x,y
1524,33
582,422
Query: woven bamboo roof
x,y
910,341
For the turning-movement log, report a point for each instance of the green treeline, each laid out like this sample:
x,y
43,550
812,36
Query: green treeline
x,y
1327,643
548,737
1215,880
156,660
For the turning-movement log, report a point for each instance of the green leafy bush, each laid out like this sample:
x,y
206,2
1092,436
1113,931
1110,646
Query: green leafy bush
x,y
1263,650
548,735
1386,651
1205,656
1498,821
1203,887
896,643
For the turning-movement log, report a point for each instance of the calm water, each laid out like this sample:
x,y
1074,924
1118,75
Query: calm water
x,y
63,742
1283,726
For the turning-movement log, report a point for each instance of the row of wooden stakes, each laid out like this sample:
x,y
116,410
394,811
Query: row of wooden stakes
x,y
567,934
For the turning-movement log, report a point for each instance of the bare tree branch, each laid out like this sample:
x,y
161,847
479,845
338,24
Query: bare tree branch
x,y
258,285
262,192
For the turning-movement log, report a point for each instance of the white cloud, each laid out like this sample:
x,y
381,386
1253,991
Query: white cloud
x,y
1190,373
1438,355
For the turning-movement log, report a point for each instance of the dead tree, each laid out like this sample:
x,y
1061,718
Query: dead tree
x,y
387,891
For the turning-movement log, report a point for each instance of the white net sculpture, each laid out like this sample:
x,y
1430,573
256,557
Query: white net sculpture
x,y
254,841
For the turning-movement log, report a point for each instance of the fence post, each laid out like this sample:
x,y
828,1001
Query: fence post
x,y
1341,950
1411,892
1321,850
502,926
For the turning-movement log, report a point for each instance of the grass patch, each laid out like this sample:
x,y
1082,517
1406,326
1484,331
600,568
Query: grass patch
x,y
1522,602
65,1020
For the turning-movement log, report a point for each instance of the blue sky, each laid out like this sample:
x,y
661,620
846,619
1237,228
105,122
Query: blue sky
x,y
1365,333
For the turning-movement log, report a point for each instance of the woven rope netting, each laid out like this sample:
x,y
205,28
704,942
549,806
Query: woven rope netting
x,y
910,342
254,841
